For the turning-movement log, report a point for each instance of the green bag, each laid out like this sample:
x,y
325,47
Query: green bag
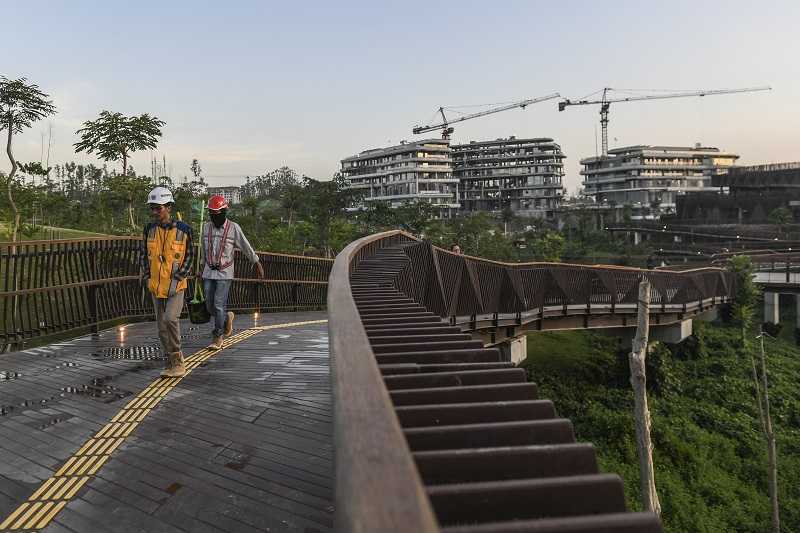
x,y
198,312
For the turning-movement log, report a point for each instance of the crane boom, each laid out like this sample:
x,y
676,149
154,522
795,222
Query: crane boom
x,y
445,124
681,94
605,103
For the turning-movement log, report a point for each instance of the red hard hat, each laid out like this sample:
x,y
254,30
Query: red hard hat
x,y
217,202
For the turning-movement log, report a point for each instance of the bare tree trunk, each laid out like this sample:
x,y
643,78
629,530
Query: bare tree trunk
x,y
15,226
637,360
772,453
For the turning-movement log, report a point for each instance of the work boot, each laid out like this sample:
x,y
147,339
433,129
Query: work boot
x,y
175,368
229,324
216,344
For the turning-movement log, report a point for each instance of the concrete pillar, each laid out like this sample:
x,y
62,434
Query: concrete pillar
x,y
668,333
772,307
797,307
637,238
514,350
672,333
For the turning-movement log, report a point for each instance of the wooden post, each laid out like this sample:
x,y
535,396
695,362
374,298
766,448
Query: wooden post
x,y
637,360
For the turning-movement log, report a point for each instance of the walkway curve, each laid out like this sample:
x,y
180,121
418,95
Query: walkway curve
x,y
87,462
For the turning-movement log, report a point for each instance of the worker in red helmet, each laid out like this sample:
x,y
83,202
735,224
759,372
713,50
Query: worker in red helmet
x,y
220,238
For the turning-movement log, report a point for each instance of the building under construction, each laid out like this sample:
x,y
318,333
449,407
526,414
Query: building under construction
x,y
523,175
408,172
649,179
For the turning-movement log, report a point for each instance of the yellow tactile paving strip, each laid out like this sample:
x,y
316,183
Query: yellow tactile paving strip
x,y
51,497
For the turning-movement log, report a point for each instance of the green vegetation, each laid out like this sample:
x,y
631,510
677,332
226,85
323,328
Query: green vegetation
x,y
21,104
30,232
710,456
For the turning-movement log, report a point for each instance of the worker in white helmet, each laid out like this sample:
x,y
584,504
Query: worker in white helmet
x,y
166,258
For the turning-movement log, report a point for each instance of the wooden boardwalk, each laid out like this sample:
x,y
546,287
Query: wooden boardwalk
x,y
92,440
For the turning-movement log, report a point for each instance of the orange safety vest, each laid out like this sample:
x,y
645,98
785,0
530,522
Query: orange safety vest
x,y
166,250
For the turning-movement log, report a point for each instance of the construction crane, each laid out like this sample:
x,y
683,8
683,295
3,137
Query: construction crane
x,y
447,129
606,101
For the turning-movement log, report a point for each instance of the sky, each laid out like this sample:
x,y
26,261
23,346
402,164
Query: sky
x,y
249,86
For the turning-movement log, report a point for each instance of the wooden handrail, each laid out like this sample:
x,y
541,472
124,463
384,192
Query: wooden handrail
x,y
377,486
10,244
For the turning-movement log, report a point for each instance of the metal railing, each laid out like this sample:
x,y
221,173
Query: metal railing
x,y
459,286
378,487
50,288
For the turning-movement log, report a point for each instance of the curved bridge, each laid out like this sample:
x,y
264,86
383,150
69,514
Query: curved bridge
x,y
432,428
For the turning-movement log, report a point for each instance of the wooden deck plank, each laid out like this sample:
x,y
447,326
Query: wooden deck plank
x,y
243,443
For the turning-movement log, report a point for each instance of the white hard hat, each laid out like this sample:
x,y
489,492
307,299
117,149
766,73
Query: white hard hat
x,y
160,196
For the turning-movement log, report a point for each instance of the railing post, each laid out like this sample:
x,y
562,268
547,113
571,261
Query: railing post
x,y
294,296
93,318
92,292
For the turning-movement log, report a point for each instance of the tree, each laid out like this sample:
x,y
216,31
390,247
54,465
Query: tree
x,y
780,216
34,169
548,246
196,170
378,216
291,200
415,216
768,431
326,200
130,189
747,293
506,216
114,136
21,104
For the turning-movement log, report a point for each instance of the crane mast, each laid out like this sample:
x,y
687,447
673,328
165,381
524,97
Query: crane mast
x,y
605,103
447,129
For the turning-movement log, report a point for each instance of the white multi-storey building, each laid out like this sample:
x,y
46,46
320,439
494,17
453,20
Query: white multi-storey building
x,y
650,178
408,172
523,175
232,194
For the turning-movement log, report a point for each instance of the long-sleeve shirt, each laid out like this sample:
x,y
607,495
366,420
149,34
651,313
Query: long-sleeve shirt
x,y
235,240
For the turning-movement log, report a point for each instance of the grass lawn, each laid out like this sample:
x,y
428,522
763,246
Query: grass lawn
x,y
47,233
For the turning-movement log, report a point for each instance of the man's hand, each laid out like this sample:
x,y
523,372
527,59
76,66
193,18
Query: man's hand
x,y
259,271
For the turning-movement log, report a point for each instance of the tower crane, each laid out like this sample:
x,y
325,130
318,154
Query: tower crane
x,y
447,129
606,101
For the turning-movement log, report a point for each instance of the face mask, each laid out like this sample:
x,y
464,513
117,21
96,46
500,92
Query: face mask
x,y
217,219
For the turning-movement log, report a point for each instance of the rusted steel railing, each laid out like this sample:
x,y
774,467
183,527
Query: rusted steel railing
x,y
52,288
461,286
406,380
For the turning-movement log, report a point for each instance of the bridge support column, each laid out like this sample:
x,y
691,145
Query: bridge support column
x,y
673,333
668,333
637,238
772,307
797,307
514,349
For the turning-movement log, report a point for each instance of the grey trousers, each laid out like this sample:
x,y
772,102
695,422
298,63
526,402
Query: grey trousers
x,y
168,312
